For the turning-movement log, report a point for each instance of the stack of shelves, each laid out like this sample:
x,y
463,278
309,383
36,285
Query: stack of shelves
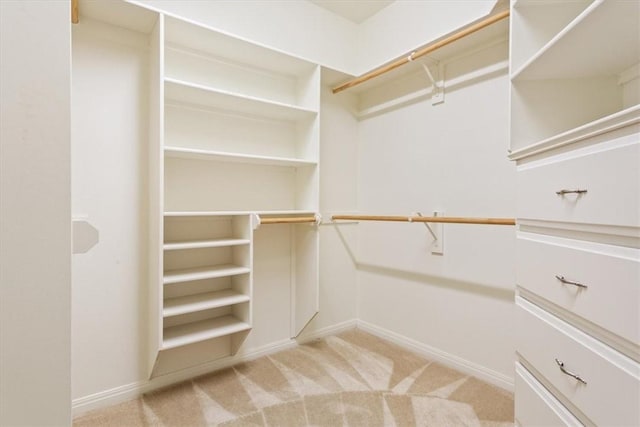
x,y
241,124
575,134
237,132
207,278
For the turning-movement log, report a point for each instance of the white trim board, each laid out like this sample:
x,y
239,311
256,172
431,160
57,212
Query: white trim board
x,y
450,360
133,390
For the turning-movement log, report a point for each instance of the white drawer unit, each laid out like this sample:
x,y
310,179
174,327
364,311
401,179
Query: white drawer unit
x,y
594,185
584,278
603,383
575,135
536,406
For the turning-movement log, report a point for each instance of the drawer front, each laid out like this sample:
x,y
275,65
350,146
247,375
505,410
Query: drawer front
x,y
536,406
611,274
609,174
611,395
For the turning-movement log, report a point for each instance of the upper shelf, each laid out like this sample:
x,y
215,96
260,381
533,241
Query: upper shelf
x,y
207,97
202,38
190,153
230,213
602,40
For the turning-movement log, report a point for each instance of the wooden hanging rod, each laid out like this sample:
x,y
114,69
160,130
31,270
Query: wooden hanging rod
x,y
75,15
423,51
442,219
288,220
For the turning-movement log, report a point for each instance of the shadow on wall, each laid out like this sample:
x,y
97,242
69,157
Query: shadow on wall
x,y
431,280
441,282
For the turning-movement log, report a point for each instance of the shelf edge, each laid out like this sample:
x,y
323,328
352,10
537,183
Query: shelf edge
x,y
624,118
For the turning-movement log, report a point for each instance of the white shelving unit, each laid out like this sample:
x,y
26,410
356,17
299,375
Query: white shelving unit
x,y
575,134
235,133
207,278
567,54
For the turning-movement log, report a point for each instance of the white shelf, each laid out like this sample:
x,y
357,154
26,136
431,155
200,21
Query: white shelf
x,y
201,273
606,124
199,302
232,213
190,333
204,96
588,46
196,36
199,244
198,154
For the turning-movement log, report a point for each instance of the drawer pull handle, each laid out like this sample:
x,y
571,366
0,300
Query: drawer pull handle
x,y
571,374
563,192
569,282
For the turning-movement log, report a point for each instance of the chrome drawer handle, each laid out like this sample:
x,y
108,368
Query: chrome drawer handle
x,y
569,282
563,192
571,374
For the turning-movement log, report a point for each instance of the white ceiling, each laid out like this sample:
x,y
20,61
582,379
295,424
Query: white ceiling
x,y
354,10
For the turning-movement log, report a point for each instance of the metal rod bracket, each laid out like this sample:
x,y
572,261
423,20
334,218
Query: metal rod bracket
x,y
437,83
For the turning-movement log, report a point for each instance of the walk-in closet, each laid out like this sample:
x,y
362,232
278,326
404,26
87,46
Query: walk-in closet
x,y
320,212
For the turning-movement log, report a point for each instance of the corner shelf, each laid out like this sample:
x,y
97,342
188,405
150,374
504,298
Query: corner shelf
x,y
593,48
198,154
196,94
205,301
191,333
201,273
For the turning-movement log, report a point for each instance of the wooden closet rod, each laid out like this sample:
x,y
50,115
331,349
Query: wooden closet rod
x,y
75,18
421,52
288,220
442,219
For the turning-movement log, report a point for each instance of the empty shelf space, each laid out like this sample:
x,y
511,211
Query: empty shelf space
x,y
198,154
201,273
196,94
602,40
198,302
199,244
191,333
605,124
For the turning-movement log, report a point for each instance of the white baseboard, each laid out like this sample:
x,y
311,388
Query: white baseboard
x,y
133,390
330,330
455,362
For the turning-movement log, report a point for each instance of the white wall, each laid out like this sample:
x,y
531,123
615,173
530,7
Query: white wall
x,y
299,28
405,25
35,219
449,157
109,189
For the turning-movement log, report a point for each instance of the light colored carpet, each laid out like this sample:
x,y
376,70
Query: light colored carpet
x,y
352,379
